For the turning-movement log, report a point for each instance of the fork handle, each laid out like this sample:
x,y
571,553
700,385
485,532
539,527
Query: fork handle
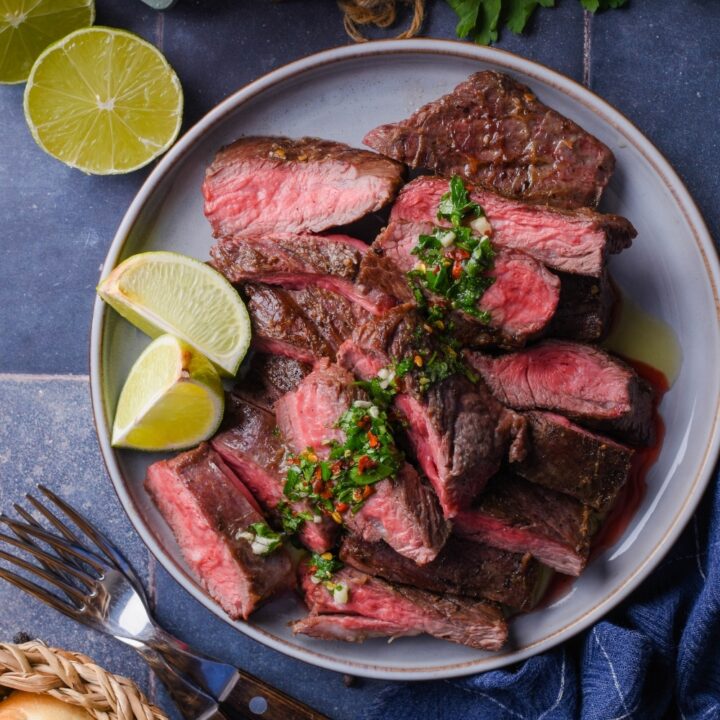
x,y
252,698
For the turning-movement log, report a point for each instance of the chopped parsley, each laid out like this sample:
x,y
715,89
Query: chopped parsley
x,y
262,538
323,568
453,262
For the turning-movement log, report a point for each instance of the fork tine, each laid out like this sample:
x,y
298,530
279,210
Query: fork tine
x,y
71,591
56,543
55,521
42,594
51,563
101,540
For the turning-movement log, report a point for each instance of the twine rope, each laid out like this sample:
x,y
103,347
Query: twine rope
x,y
381,13
74,679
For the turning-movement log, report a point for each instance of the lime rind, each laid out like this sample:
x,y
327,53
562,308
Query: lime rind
x,y
73,16
97,123
172,399
165,292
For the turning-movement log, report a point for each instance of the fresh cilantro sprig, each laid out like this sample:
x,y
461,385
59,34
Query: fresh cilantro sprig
x,y
481,19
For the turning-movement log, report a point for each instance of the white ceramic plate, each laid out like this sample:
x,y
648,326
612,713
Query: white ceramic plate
x,y
671,271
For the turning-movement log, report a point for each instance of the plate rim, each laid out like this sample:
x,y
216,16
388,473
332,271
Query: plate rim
x,y
508,61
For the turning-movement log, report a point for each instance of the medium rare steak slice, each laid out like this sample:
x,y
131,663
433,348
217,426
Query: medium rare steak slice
x,y
570,241
494,131
458,431
265,185
468,622
519,516
522,301
253,448
269,378
207,507
304,325
567,458
350,628
580,381
462,568
402,510
329,262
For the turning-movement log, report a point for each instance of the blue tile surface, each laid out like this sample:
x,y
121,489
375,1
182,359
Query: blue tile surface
x,y
51,440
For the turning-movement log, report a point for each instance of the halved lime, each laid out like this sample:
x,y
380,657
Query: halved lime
x,y
172,399
27,27
166,292
104,101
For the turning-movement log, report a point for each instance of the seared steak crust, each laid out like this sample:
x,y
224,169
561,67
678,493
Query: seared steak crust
x,y
462,568
580,381
493,130
269,378
519,516
474,623
567,458
207,507
584,312
261,185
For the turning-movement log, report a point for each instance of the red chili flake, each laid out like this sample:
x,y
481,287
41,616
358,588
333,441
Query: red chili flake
x,y
372,439
365,463
368,490
326,494
317,473
457,270
336,468
318,486
364,422
342,507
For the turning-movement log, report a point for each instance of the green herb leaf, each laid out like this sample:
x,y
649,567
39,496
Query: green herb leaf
x,y
486,28
324,566
595,5
518,12
467,11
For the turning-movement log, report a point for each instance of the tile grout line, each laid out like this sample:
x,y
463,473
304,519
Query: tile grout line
x,y
41,377
587,46
160,31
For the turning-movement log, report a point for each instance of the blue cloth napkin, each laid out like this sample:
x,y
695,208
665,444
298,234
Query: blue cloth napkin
x,y
655,656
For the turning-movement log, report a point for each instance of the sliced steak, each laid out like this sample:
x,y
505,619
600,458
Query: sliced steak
x,y
468,622
570,241
350,628
330,262
522,301
265,185
519,516
584,312
304,325
402,511
206,506
458,432
462,568
253,448
269,378
494,131
567,458
580,381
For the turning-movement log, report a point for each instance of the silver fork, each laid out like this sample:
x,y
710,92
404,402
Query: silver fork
x,y
99,588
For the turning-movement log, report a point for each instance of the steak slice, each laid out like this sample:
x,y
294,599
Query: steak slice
x,y
265,185
462,568
304,325
253,448
329,262
269,378
206,506
567,458
458,432
569,241
519,516
494,131
349,628
402,510
580,381
468,622
522,301
584,312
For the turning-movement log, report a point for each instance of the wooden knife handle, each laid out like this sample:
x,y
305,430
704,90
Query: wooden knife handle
x,y
253,699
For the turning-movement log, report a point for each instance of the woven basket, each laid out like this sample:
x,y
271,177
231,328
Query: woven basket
x,y
74,679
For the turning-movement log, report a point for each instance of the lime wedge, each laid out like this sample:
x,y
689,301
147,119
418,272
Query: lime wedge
x,y
165,292
27,27
104,101
172,399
